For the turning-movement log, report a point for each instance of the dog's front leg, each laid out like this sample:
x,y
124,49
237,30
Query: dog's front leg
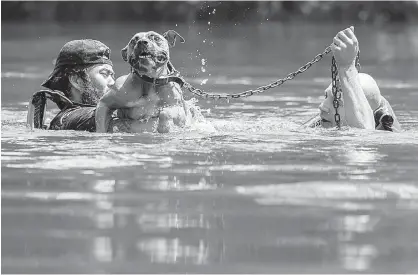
x,y
170,116
165,121
109,102
104,109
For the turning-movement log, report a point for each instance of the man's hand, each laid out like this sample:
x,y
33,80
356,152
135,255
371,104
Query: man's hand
x,y
345,48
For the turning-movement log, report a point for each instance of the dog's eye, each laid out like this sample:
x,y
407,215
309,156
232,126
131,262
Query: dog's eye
x,y
155,38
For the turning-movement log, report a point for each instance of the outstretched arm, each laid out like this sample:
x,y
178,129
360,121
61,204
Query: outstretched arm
x,y
358,112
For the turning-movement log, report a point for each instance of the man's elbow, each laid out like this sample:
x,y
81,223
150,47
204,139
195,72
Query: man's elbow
x,y
371,90
369,124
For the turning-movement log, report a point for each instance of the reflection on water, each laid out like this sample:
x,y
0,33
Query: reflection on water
x,y
169,251
165,222
172,183
358,257
355,256
102,249
259,194
364,158
155,217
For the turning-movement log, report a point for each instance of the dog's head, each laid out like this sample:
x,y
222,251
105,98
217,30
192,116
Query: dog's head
x,y
148,52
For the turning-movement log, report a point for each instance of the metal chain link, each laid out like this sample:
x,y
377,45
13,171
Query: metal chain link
x,y
336,88
358,66
261,89
336,92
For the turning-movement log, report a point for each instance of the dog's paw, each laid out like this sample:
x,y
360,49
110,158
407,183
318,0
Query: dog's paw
x,y
165,122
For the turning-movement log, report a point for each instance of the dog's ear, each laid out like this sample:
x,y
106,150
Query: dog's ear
x,y
124,53
171,36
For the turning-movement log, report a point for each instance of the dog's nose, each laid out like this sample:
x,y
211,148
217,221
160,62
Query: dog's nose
x,y
143,42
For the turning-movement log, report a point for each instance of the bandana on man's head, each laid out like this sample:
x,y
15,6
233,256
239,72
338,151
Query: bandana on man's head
x,y
78,54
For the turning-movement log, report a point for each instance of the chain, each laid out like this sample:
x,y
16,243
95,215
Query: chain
x,y
358,61
261,89
336,88
336,92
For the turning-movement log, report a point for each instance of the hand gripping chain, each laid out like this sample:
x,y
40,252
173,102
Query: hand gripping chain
x,y
336,90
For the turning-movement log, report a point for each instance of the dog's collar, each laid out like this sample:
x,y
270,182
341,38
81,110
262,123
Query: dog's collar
x,y
161,81
172,77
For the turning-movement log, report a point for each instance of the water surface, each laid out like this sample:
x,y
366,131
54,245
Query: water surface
x,y
258,194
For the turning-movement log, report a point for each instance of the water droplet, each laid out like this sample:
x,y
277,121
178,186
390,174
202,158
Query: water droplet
x,y
214,10
208,23
203,61
204,81
204,41
203,69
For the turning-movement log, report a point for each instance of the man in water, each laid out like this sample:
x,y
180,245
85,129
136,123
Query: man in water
x,y
361,104
83,72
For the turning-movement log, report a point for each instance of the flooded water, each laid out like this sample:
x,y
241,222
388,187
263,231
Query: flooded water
x,y
256,194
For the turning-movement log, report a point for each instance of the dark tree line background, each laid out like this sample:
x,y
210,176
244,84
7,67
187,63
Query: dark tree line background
x,y
218,11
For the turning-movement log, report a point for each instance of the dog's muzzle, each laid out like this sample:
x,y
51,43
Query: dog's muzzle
x,y
143,50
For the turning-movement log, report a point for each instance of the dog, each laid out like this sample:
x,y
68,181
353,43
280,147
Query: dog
x,y
151,91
